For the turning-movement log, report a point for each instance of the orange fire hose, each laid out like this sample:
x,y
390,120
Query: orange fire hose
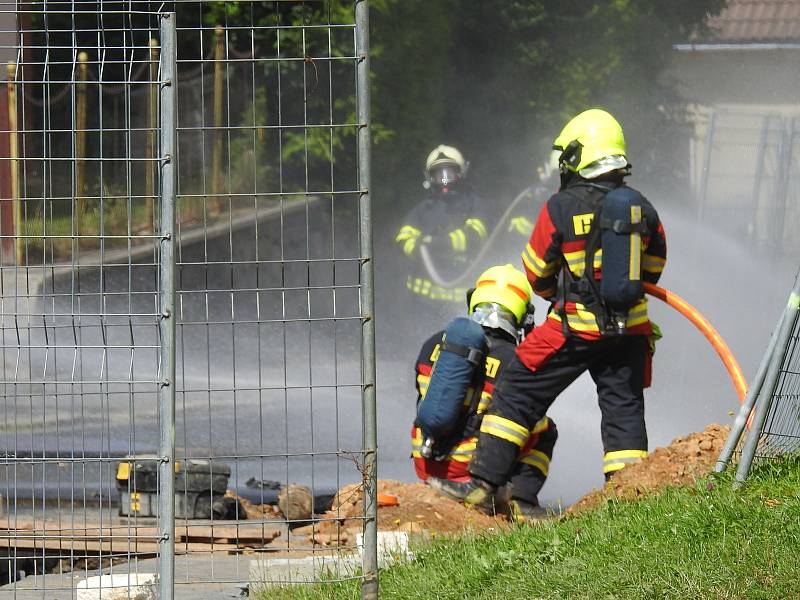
x,y
699,321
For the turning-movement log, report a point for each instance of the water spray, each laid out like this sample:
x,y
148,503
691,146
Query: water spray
x,y
670,298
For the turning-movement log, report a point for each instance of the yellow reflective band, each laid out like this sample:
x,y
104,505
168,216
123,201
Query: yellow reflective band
x,y
635,262
416,443
424,287
468,397
407,232
619,459
463,452
541,425
423,381
539,267
409,245
576,261
653,264
485,401
477,226
538,459
584,320
521,225
505,429
458,239
622,454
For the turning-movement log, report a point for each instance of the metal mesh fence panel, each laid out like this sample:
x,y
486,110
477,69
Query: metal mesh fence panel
x,y
771,408
81,369
781,432
267,237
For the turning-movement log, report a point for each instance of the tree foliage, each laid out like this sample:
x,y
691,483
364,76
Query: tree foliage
x,y
499,78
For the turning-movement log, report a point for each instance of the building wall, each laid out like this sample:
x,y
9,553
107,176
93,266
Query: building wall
x,y
746,142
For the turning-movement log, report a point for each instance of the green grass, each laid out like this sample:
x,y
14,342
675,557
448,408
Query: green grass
x,y
706,541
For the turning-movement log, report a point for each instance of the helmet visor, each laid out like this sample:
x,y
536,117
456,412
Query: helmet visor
x,y
603,166
495,316
444,175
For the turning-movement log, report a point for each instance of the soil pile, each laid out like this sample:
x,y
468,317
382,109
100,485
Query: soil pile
x,y
419,509
681,463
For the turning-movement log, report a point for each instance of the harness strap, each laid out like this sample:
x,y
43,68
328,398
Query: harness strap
x,y
620,226
472,355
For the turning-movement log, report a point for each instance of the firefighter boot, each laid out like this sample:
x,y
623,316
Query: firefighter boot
x,y
522,512
474,492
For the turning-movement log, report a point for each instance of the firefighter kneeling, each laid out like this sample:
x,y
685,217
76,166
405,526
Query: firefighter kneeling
x,y
456,373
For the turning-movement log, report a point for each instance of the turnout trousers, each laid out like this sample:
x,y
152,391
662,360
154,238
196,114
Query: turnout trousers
x,y
544,365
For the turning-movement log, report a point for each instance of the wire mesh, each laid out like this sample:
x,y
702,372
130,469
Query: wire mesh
x,y
781,432
748,170
272,310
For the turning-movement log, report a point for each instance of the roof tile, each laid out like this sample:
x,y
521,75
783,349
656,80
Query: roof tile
x,y
755,21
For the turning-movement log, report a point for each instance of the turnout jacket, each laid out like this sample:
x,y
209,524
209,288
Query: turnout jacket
x,y
558,243
454,228
454,455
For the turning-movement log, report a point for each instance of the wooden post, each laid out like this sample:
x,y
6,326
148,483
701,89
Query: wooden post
x,y
219,84
152,125
80,141
13,153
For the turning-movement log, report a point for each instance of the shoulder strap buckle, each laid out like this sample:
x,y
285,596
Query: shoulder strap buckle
x,y
472,355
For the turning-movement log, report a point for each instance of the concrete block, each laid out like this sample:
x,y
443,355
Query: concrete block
x,y
392,547
265,572
123,586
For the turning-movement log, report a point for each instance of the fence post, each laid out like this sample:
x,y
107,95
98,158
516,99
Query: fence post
x,y
80,141
746,410
219,84
369,565
152,124
786,327
13,153
705,175
166,293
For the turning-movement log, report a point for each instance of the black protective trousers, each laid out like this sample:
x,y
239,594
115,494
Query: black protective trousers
x,y
527,480
523,396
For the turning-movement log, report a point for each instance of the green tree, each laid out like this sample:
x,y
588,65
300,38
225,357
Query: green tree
x,y
499,78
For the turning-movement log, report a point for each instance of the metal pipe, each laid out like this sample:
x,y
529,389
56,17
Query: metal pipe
x,y
219,85
166,297
771,380
732,47
13,153
746,408
369,564
759,175
152,124
80,141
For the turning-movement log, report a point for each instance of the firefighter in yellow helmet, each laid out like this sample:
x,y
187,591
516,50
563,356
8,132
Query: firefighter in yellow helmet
x,y
595,241
500,304
450,223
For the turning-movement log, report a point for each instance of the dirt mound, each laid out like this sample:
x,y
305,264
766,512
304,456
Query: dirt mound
x,y
681,463
419,509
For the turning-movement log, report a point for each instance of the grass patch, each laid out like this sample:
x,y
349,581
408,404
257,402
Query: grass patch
x,y
706,541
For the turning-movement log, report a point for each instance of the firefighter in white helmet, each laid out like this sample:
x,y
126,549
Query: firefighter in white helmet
x,y
449,222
